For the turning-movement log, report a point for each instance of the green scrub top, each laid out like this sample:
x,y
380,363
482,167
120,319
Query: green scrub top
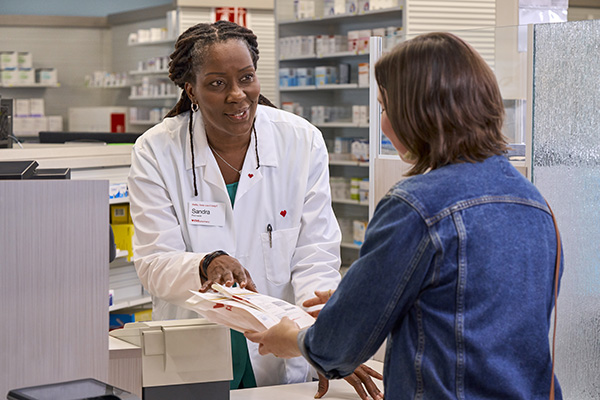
x,y
243,376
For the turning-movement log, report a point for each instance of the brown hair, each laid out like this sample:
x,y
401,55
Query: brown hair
x,y
191,48
442,100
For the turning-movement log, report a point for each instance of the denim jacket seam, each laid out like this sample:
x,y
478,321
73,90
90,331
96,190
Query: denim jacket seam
x,y
392,304
460,311
418,362
462,205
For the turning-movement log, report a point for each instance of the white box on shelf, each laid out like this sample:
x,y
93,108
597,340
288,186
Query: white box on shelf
x,y
9,77
325,75
24,59
26,76
36,107
39,124
353,41
22,108
55,123
363,40
363,6
340,7
8,60
305,76
46,76
360,149
351,6
363,75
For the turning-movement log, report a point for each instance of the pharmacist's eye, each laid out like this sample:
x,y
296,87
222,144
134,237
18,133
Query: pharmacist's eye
x,y
382,111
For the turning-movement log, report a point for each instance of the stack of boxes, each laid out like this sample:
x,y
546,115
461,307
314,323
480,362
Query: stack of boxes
x,y
16,69
30,118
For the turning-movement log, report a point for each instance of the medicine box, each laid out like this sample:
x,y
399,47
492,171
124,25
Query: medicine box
x,y
24,60
26,76
305,76
360,227
325,75
36,107
9,77
22,107
46,76
360,149
119,214
9,60
363,75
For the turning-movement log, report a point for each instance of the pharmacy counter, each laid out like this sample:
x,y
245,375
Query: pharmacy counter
x,y
339,389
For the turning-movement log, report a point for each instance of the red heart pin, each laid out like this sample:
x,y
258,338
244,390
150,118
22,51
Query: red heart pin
x,y
250,175
283,213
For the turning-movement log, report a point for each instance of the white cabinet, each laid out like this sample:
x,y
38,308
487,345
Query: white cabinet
x,y
334,104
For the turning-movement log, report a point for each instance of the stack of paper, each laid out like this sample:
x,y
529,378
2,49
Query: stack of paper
x,y
244,310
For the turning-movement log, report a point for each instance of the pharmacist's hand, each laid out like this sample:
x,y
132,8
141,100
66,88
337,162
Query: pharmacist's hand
x,y
279,340
321,297
361,382
226,270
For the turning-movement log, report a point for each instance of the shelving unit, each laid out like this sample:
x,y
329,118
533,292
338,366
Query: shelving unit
x,y
30,86
347,95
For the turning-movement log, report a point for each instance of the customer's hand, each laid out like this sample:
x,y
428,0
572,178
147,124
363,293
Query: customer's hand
x,y
279,340
226,270
321,297
361,382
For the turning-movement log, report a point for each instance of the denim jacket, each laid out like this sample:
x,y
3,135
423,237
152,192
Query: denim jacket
x,y
457,273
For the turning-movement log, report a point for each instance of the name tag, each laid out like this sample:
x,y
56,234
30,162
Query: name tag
x,y
205,213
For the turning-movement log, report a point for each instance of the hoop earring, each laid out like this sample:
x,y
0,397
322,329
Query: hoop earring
x,y
195,107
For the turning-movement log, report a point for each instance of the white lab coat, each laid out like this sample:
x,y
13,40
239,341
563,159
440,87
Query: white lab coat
x,y
290,191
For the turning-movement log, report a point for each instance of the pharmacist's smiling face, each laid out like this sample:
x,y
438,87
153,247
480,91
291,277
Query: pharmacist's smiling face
x,y
226,89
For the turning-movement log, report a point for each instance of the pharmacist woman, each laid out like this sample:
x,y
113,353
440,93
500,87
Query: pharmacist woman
x,y
226,189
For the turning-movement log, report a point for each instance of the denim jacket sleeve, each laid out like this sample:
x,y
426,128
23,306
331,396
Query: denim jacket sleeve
x,y
376,293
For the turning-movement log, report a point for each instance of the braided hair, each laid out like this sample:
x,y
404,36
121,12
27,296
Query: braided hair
x,y
189,55
190,52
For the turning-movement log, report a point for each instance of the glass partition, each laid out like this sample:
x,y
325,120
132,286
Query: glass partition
x,y
566,169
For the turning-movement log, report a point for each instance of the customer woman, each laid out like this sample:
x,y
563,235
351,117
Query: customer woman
x,y
228,190
457,267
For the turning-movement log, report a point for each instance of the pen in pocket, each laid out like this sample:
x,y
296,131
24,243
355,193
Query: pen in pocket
x,y
269,231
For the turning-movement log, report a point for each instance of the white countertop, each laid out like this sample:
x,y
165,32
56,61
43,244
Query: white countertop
x,y
339,389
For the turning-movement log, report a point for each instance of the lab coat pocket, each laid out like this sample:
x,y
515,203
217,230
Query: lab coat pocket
x,y
278,250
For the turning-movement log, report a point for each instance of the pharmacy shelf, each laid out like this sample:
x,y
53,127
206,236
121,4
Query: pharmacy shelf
x,y
349,163
131,302
352,202
152,43
119,200
109,87
29,85
150,72
341,54
167,96
340,125
332,86
367,16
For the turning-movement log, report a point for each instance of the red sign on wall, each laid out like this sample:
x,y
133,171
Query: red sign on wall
x,y
232,14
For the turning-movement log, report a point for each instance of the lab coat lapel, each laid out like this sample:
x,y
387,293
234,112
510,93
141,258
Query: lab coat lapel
x,y
251,176
206,166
